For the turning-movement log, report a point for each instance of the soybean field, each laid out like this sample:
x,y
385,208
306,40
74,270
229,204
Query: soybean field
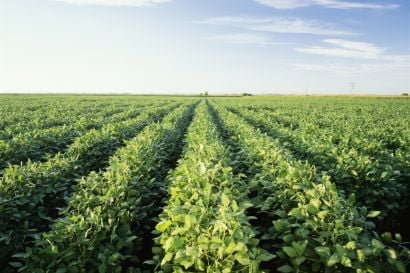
x,y
167,184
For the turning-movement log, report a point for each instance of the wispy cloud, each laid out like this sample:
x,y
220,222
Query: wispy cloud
x,y
352,49
130,3
279,25
360,68
335,4
345,48
245,38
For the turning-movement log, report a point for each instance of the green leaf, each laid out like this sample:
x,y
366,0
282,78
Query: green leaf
x,y
16,264
241,247
296,212
300,260
281,225
54,249
20,255
189,220
373,213
351,245
187,263
387,237
65,221
156,250
264,257
315,203
400,266
322,214
102,268
334,259
323,251
224,200
300,247
162,226
230,248
202,167
340,250
288,238
360,255
167,258
346,261
245,205
285,269
377,244
289,251
177,242
130,239
242,259
391,254
254,241
199,265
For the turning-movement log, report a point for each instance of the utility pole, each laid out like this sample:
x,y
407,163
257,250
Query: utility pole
x,y
306,90
352,85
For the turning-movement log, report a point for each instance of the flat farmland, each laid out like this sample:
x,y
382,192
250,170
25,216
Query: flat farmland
x,y
204,184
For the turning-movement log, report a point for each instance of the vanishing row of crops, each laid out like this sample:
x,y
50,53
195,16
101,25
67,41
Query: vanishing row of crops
x,y
179,184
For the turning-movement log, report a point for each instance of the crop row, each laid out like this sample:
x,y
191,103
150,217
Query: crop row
x,y
204,227
19,121
222,186
379,183
313,227
31,195
18,116
105,220
37,144
371,129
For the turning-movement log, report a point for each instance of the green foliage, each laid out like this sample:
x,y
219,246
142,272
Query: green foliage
x,y
314,228
204,227
103,221
163,184
359,164
30,195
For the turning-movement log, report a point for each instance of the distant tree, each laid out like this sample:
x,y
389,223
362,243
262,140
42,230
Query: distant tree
x,y
206,93
201,94
246,94
405,94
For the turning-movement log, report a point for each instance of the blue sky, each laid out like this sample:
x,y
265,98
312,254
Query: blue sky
x,y
220,46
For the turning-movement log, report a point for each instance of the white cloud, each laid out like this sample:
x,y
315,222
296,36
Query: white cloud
x,y
279,25
345,48
131,3
244,38
355,68
335,4
352,49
